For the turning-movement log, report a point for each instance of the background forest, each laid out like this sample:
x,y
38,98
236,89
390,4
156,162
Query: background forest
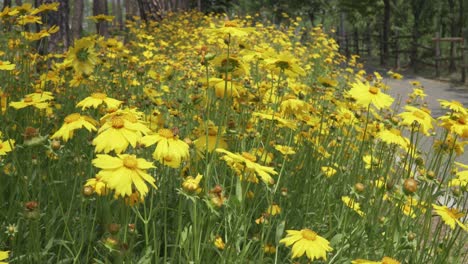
x,y
400,32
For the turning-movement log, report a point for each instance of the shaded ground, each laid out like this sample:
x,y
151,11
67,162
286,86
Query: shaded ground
x,y
434,89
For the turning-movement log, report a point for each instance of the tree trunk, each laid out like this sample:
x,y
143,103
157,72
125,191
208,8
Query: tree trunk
x,y
416,7
131,9
453,33
100,8
385,33
6,3
150,10
59,41
117,9
77,19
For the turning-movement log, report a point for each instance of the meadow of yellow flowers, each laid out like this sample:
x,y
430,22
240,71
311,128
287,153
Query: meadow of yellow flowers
x,y
202,139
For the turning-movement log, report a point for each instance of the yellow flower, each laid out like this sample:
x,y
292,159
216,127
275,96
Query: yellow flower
x,y
120,129
348,201
123,173
418,92
285,150
219,243
101,18
7,66
450,216
274,209
287,63
231,28
421,117
97,99
191,184
82,56
282,122
30,101
6,146
453,105
245,166
225,87
73,122
29,19
98,185
170,150
41,96
395,75
393,136
3,256
308,242
328,171
460,180
385,260
456,123
365,94
269,249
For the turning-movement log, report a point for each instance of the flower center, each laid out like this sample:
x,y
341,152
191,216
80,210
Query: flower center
x,y
28,100
249,156
118,122
101,96
308,234
82,54
419,114
1,145
373,90
165,133
230,24
130,162
462,121
72,118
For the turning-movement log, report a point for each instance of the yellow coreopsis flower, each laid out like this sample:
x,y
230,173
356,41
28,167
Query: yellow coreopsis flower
x,y
453,105
6,146
30,101
101,18
123,173
365,94
73,122
287,63
450,216
120,129
328,171
416,115
224,88
96,99
307,242
3,256
191,184
231,28
393,136
245,166
456,123
98,185
385,260
7,66
82,56
285,150
170,150
348,201
219,243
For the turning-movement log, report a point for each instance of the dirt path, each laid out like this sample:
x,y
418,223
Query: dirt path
x,y
434,90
